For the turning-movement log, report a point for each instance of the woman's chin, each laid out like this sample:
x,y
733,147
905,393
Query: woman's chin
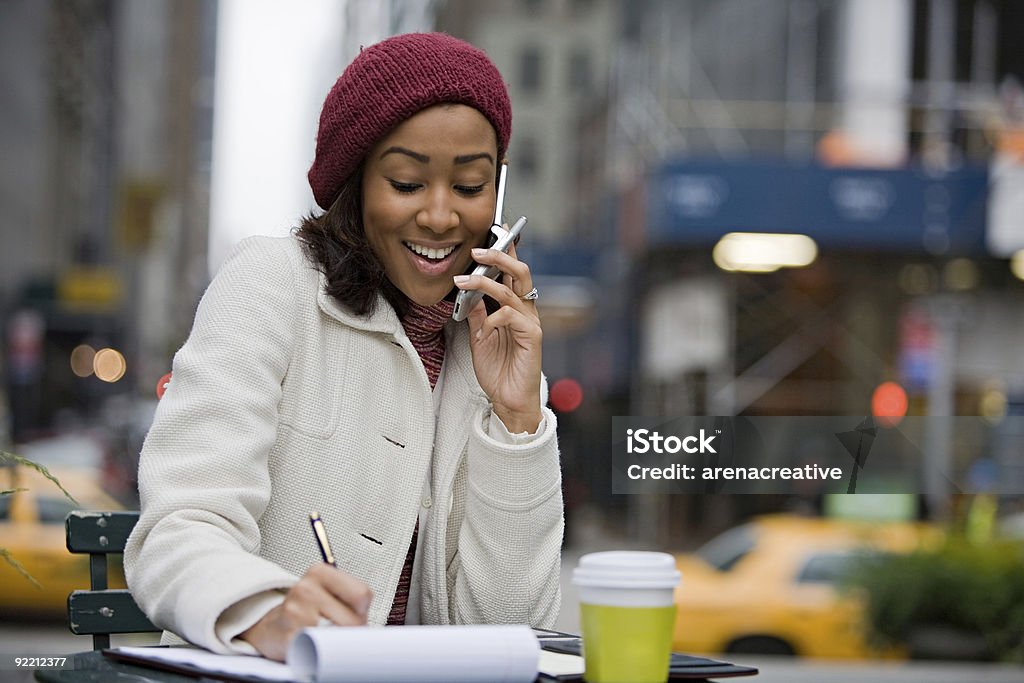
x,y
428,299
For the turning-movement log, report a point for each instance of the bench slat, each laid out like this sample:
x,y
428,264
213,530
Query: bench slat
x,y
99,532
108,611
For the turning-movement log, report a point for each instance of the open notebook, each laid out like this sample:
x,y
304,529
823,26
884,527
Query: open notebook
x,y
445,654
507,654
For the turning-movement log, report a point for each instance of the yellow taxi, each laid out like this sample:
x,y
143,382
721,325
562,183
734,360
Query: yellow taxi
x,y
32,531
772,586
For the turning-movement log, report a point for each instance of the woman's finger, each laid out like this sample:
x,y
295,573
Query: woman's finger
x,y
344,599
508,264
338,612
324,591
511,317
503,294
476,318
497,291
350,591
506,279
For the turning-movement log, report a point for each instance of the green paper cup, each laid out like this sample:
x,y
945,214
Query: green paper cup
x,y
627,613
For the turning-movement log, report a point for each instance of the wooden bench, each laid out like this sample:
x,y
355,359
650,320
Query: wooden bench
x,y
101,611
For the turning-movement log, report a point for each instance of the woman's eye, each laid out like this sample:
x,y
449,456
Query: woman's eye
x,y
405,188
469,190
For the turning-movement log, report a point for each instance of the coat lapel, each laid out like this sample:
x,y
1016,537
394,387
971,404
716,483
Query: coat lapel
x,y
383,319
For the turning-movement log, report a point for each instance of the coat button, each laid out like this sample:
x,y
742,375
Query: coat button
x,y
427,502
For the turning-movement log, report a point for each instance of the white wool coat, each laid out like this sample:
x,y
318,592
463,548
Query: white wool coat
x,y
282,402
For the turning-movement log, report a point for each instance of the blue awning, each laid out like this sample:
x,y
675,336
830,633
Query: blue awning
x,y
693,203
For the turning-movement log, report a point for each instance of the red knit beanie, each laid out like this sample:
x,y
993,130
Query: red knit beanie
x,y
389,82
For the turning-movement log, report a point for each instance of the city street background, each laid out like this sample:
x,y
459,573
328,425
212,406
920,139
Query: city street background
x,y
738,208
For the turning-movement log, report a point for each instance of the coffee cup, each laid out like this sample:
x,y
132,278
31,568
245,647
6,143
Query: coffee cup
x,y
627,613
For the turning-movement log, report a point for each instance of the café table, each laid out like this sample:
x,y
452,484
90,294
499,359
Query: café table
x,y
94,667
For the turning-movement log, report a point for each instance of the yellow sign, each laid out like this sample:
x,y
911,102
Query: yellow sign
x,y
136,212
89,287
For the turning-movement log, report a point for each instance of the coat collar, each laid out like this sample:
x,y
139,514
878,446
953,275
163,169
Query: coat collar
x,y
383,319
458,356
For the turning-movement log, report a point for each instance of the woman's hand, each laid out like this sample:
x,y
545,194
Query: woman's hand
x,y
506,344
322,592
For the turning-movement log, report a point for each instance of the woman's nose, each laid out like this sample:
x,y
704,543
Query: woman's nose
x,y
437,214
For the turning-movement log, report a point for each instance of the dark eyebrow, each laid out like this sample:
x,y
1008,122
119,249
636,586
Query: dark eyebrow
x,y
466,158
422,158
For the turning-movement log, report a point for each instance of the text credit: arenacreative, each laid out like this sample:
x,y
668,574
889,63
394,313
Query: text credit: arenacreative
x,y
689,472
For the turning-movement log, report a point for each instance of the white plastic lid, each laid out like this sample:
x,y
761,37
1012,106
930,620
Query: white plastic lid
x,y
626,569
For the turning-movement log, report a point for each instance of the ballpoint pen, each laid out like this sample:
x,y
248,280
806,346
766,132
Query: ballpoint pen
x,y
321,538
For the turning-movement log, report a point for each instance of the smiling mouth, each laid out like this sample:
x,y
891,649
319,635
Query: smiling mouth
x,y
429,253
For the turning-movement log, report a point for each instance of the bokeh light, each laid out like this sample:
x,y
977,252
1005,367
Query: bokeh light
x,y
889,404
917,279
961,274
161,385
763,252
566,395
109,365
993,403
1017,265
81,360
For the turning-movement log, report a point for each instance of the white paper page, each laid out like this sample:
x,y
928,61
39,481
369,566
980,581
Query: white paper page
x,y
240,665
426,654
560,663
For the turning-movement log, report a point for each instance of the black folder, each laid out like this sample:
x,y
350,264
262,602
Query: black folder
x,y
681,667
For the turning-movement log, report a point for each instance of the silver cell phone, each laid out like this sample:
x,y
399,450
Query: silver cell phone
x,y
467,299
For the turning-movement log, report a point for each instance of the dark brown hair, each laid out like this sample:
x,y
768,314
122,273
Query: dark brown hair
x,y
336,242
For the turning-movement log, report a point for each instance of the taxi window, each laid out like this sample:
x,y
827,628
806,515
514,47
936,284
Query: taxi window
x,y
5,507
826,568
724,551
54,510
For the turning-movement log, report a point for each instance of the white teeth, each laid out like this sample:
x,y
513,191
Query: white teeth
x,y
433,254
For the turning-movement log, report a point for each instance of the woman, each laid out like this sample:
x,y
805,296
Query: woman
x,y
323,372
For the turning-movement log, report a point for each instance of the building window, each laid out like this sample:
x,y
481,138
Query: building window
x,y
580,76
581,7
530,70
524,162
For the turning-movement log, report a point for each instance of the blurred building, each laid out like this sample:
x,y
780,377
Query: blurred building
x,y
107,110
869,126
555,56
370,21
859,105
862,124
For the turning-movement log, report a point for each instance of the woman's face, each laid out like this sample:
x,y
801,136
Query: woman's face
x,y
428,198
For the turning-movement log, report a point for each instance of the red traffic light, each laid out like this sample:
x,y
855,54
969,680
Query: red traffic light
x,y
889,403
566,395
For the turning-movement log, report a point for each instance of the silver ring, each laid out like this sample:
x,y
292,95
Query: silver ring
x,y
531,295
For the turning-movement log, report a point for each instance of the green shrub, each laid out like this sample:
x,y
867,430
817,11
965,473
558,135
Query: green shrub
x,y
971,588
